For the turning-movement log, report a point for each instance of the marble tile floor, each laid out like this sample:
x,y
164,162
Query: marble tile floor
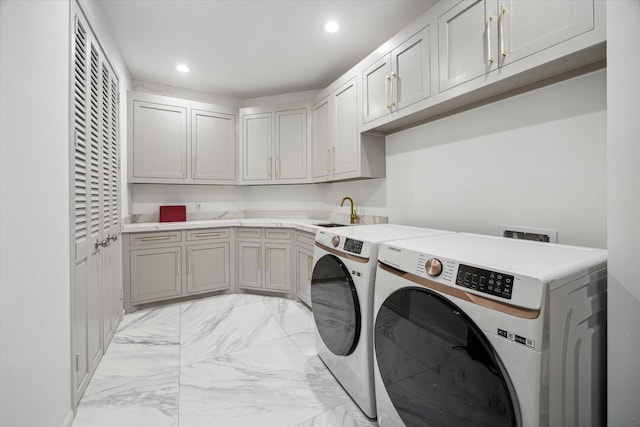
x,y
227,361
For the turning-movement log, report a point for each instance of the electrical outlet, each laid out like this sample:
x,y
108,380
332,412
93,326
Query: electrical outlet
x,y
198,206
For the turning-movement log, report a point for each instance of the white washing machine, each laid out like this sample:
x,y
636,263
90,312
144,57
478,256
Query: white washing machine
x,y
344,267
486,331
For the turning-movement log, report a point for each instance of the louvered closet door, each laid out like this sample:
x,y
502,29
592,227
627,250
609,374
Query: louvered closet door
x,y
96,305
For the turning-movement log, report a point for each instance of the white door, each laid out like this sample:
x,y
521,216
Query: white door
x,y
291,145
467,42
213,146
156,274
411,73
159,142
208,267
530,26
250,265
256,142
346,151
377,81
321,138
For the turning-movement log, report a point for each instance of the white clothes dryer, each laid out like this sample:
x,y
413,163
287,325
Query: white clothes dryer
x,y
475,330
344,267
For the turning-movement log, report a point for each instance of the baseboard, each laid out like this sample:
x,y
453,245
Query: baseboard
x,y
68,419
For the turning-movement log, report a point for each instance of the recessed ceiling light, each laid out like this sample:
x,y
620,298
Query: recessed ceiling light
x,y
183,68
331,27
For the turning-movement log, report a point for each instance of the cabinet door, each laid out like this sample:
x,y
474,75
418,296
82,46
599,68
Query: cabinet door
x,y
277,271
529,26
463,32
159,141
257,157
208,267
321,138
213,146
346,150
155,274
304,266
291,144
250,265
411,74
377,81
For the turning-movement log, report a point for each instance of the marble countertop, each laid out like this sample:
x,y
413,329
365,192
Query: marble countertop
x,y
302,224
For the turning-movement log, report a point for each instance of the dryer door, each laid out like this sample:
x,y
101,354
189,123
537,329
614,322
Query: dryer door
x,y
437,366
336,308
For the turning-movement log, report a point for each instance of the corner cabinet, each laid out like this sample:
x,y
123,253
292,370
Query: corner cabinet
x,y
264,259
274,145
174,141
340,150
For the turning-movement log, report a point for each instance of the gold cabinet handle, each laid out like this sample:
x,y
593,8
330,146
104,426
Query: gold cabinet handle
x,y
183,161
501,21
277,166
393,93
333,159
208,234
151,239
178,262
189,262
269,166
266,255
387,82
327,159
489,56
193,167
309,260
258,256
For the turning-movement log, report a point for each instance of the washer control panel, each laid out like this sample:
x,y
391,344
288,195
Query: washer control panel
x,y
487,281
353,246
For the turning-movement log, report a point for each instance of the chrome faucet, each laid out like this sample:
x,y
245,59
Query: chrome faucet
x,y
353,217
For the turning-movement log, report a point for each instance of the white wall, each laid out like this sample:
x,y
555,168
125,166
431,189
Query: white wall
x,y
623,202
35,390
537,159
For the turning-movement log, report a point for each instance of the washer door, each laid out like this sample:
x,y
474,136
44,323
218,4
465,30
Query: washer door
x,y
437,366
336,308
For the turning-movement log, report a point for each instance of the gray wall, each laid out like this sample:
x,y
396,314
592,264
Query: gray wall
x,y
537,159
623,202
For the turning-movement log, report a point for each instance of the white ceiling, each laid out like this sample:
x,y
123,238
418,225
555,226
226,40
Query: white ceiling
x,y
251,48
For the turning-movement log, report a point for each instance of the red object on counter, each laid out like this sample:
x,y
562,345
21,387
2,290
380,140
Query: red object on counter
x,y
173,213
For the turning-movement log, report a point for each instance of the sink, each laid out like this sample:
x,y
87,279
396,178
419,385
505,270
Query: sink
x,y
331,225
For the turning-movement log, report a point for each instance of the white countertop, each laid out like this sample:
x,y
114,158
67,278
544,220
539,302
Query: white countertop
x,y
302,224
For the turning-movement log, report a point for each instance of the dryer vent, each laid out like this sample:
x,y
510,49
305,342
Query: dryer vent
x,y
528,233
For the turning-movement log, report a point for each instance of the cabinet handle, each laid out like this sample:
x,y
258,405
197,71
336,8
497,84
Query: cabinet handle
x,y
178,262
309,259
277,166
193,167
103,243
266,255
501,20
208,234
188,262
393,93
183,161
151,239
269,166
333,158
489,56
258,256
327,159
387,81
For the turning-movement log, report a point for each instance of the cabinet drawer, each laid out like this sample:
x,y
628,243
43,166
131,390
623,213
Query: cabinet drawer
x,y
207,234
278,234
249,233
140,239
305,238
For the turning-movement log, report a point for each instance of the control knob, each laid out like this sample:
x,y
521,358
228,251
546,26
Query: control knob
x,y
335,241
433,267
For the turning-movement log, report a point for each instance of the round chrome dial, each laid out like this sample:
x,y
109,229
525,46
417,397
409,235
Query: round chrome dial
x,y
335,241
433,267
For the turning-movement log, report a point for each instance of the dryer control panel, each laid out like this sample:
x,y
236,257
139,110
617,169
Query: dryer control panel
x,y
487,281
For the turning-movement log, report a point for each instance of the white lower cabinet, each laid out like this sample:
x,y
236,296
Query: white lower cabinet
x,y
208,268
304,265
264,261
155,274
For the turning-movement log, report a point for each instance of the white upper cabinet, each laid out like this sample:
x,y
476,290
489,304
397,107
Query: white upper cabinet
x,y
400,78
213,146
274,145
340,150
257,142
159,142
175,141
478,36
